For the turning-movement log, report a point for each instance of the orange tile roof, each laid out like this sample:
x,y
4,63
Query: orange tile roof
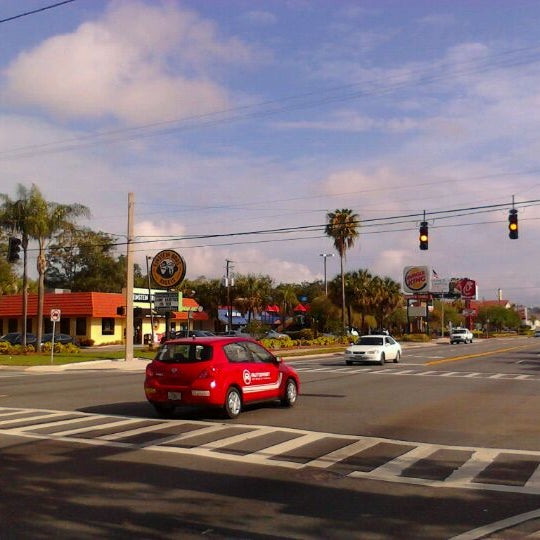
x,y
78,304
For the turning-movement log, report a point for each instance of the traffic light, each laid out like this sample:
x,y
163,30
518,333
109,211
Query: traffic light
x,y
513,224
424,236
14,248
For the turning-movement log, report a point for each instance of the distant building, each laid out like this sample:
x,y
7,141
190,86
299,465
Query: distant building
x,y
98,316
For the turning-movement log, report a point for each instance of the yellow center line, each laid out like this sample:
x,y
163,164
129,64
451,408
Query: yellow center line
x,y
476,355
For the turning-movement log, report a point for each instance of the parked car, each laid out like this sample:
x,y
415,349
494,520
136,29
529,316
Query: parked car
x,y
537,333
16,338
224,372
64,339
272,334
373,348
461,335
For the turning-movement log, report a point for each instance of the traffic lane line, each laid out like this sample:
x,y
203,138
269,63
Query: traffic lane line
x,y
475,355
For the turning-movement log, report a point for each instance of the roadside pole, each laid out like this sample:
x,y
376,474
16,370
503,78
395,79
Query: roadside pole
x,y
129,281
55,317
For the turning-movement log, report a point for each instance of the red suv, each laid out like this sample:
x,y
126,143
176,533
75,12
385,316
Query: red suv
x,y
226,372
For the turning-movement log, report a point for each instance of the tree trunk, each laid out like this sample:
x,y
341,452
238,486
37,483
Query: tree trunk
x,y
41,267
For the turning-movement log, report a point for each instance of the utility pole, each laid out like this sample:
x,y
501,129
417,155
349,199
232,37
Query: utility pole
x,y
324,256
149,258
229,305
129,280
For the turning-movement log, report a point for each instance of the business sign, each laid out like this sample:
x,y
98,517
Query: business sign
x,y
417,311
166,301
465,287
468,288
168,268
440,285
416,279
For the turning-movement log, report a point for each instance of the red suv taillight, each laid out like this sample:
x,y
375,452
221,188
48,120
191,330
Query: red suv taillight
x,y
149,370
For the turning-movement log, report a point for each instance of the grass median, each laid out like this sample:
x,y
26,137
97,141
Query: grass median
x,y
42,359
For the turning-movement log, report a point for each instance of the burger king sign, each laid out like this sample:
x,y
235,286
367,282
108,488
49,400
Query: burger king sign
x,y
416,279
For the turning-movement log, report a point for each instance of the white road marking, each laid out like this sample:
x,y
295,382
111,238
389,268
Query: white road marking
x,y
273,454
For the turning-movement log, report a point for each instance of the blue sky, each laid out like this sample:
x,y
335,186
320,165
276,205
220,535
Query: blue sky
x,y
239,116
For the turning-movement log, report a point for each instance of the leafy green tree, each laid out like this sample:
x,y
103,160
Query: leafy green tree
x,y
208,292
84,260
47,219
499,317
342,226
389,299
286,297
358,291
14,218
253,293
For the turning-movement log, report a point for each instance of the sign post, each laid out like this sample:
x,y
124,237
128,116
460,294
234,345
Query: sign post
x,y
168,270
55,317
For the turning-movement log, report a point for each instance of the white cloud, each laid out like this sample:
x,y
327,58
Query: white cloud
x,y
155,68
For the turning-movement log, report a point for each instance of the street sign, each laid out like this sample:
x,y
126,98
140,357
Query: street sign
x,y
55,315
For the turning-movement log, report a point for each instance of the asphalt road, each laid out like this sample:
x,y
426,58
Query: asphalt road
x,y
437,446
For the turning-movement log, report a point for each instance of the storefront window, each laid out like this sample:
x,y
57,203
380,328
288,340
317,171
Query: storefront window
x,y
64,326
107,326
80,326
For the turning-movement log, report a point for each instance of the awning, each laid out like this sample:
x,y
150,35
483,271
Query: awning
x,y
235,319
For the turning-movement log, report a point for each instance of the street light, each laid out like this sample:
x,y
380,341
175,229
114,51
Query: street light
x,y
324,256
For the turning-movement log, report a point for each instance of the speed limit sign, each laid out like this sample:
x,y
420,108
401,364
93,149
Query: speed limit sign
x,y
55,315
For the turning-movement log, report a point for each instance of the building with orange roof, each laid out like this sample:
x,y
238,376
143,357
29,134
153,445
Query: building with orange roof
x,y
100,317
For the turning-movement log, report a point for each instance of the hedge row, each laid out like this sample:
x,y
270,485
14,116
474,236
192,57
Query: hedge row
x,y
7,348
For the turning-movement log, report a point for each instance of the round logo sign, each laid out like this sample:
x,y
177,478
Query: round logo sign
x,y
416,278
168,268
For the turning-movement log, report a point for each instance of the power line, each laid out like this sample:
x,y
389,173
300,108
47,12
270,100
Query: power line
x,y
34,11
369,88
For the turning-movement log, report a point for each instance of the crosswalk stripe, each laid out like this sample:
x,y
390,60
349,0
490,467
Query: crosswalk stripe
x,y
354,456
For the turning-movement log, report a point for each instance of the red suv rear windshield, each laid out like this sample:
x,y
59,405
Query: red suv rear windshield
x,y
183,353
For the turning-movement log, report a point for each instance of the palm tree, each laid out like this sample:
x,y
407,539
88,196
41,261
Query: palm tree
x,y
45,220
342,226
389,298
253,292
15,215
287,299
359,283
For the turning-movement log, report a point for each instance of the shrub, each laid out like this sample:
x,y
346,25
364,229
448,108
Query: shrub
x,y
416,338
